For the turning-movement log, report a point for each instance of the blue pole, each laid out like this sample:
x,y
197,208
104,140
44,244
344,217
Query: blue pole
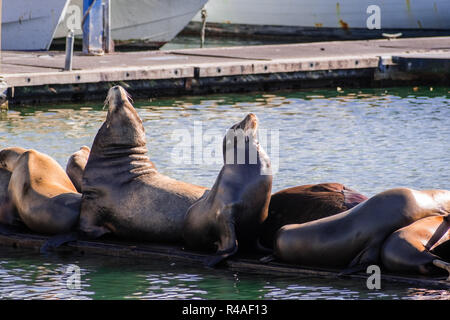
x,y
92,27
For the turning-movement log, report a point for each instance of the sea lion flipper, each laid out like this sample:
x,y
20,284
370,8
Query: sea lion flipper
x,y
57,241
364,259
262,248
354,269
443,265
267,259
227,244
220,256
94,232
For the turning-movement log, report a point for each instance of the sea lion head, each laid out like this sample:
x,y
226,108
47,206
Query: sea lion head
x,y
249,126
123,127
85,149
9,156
240,144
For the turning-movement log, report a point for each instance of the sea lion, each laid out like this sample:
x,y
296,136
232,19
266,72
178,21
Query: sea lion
x,y
9,156
353,238
45,198
410,249
5,206
123,193
8,213
235,208
75,166
306,203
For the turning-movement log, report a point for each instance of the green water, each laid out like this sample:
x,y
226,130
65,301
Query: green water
x,y
370,140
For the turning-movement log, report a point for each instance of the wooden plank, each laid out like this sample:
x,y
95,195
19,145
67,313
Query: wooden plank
x,y
323,64
98,75
173,253
283,269
431,63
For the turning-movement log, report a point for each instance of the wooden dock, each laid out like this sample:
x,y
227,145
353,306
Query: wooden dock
x,y
37,77
22,240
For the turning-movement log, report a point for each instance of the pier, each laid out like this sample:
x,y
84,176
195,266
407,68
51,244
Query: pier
x,y
39,77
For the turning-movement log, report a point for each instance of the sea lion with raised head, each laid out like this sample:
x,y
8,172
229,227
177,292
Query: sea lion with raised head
x,y
123,193
232,213
306,203
410,249
353,238
45,198
75,166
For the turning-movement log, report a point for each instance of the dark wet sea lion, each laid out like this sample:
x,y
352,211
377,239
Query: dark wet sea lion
x,y
75,166
8,213
235,208
410,249
354,237
123,193
306,203
5,205
45,198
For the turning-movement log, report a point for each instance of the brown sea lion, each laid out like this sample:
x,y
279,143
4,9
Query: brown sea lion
x,y
306,203
40,190
235,208
75,166
123,193
353,238
410,249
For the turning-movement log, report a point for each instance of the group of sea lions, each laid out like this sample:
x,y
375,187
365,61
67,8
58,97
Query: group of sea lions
x,y
114,188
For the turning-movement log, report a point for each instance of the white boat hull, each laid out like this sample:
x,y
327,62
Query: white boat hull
x,y
30,25
152,21
342,19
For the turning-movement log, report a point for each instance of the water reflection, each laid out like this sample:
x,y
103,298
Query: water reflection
x,y
28,275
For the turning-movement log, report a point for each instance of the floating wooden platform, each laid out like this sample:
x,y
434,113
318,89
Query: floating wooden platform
x,y
116,248
36,77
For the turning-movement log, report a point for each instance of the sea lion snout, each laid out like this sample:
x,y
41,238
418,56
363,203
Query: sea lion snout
x,y
249,125
85,149
122,119
117,97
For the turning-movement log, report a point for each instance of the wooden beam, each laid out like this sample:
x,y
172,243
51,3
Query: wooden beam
x,y
252,265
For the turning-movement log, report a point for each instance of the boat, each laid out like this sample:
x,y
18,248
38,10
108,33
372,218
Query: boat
x,y
318,20
142,22
29,25
250,263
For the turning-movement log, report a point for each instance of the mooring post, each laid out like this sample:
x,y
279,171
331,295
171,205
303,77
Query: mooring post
x,y
69,51
202,32
1,35
107,40
92,24
3,84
